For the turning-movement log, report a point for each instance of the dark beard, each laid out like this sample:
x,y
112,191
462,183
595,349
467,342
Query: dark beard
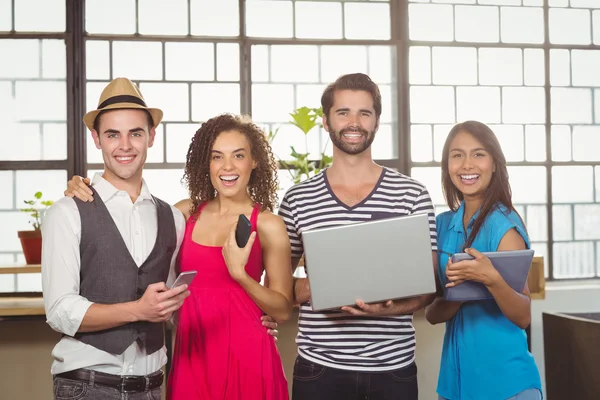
x,y
351,148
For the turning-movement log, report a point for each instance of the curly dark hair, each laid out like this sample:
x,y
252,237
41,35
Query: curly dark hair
x,y
263,183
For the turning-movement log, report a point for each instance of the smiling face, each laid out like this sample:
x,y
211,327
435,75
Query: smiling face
x,y
124,137
351,122
231,164
470,165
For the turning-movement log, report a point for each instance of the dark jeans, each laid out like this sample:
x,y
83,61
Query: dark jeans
x,y
67,389
316,382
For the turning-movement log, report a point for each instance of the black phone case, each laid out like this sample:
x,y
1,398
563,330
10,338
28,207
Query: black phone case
x,y
243,230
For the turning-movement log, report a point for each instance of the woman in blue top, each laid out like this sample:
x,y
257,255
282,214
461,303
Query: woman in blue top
x,y
485,354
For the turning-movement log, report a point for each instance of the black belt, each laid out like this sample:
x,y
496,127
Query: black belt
x,y
127,383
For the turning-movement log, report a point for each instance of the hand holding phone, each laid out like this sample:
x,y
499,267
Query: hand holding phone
x,y
243,231
184,278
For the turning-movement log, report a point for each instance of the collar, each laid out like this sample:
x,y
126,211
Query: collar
x,y
457,220
106,190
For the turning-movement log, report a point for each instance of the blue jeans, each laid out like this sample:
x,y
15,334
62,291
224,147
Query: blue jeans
x,y
529,394
68,389
316,382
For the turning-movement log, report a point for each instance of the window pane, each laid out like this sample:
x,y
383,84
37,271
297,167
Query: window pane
x,y
561,143
586,142
97,60
536,220
500,66
440,134
266,109
158,17
380,63
190,61
367,21
585,65
12,222
528,184
535,143
215,18
268,18
340,60
431,22
317,20
5,15
211,99
54,59
570,26
228,62
110,16
574,260
156,152
523,105
294,64
6,195
522,25
421,143
420,65
166,184
384,146
54,141
501,2
562,222
571,105
49,15
477,24
172,98
535,74
563,189
309,95
560,67
511,140
431,178
597,187
127,56
478,103
587,217
260,63
41,100
51,183
446,71
432,104
24,55
179,137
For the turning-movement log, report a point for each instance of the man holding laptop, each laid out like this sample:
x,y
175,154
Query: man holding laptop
x,y
365,351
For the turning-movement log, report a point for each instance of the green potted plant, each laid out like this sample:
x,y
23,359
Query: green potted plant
x,y
299,165
31,241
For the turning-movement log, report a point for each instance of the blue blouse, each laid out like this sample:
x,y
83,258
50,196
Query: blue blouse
x,y
485,355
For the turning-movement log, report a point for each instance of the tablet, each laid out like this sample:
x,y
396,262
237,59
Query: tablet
x,y
513,266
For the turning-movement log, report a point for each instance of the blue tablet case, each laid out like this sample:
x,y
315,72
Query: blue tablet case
x,y
513,266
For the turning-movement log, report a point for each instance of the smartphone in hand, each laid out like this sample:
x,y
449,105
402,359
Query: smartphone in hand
x,y
243,231
184,278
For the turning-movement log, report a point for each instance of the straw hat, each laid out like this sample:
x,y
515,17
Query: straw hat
x,y
121,93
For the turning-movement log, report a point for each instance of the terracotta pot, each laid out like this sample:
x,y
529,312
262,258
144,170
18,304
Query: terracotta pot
x,y
31,241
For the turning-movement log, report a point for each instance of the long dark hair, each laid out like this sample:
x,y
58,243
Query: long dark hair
x,y
498,190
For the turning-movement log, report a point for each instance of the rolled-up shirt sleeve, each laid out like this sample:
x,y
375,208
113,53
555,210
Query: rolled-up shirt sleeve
x,y
61,262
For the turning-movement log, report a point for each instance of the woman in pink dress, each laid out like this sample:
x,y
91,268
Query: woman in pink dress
x,y
222,350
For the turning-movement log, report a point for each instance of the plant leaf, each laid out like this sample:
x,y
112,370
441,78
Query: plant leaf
x,y
304,118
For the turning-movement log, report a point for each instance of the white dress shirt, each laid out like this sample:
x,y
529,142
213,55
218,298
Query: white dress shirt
x,y
65,308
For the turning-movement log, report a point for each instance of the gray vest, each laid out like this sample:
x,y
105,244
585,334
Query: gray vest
x,y
109,274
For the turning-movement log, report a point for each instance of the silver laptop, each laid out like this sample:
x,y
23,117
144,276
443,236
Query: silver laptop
x,y
373,261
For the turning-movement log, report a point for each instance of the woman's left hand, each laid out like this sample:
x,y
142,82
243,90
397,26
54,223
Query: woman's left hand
x,y
236,258
479,269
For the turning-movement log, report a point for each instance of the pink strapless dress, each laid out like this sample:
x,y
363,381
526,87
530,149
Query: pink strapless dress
x,y
222,351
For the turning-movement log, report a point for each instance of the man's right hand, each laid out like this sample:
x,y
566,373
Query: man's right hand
x,y
159,302
78,187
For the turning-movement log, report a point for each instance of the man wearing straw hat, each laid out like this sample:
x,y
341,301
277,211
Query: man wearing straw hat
x,y
104,265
